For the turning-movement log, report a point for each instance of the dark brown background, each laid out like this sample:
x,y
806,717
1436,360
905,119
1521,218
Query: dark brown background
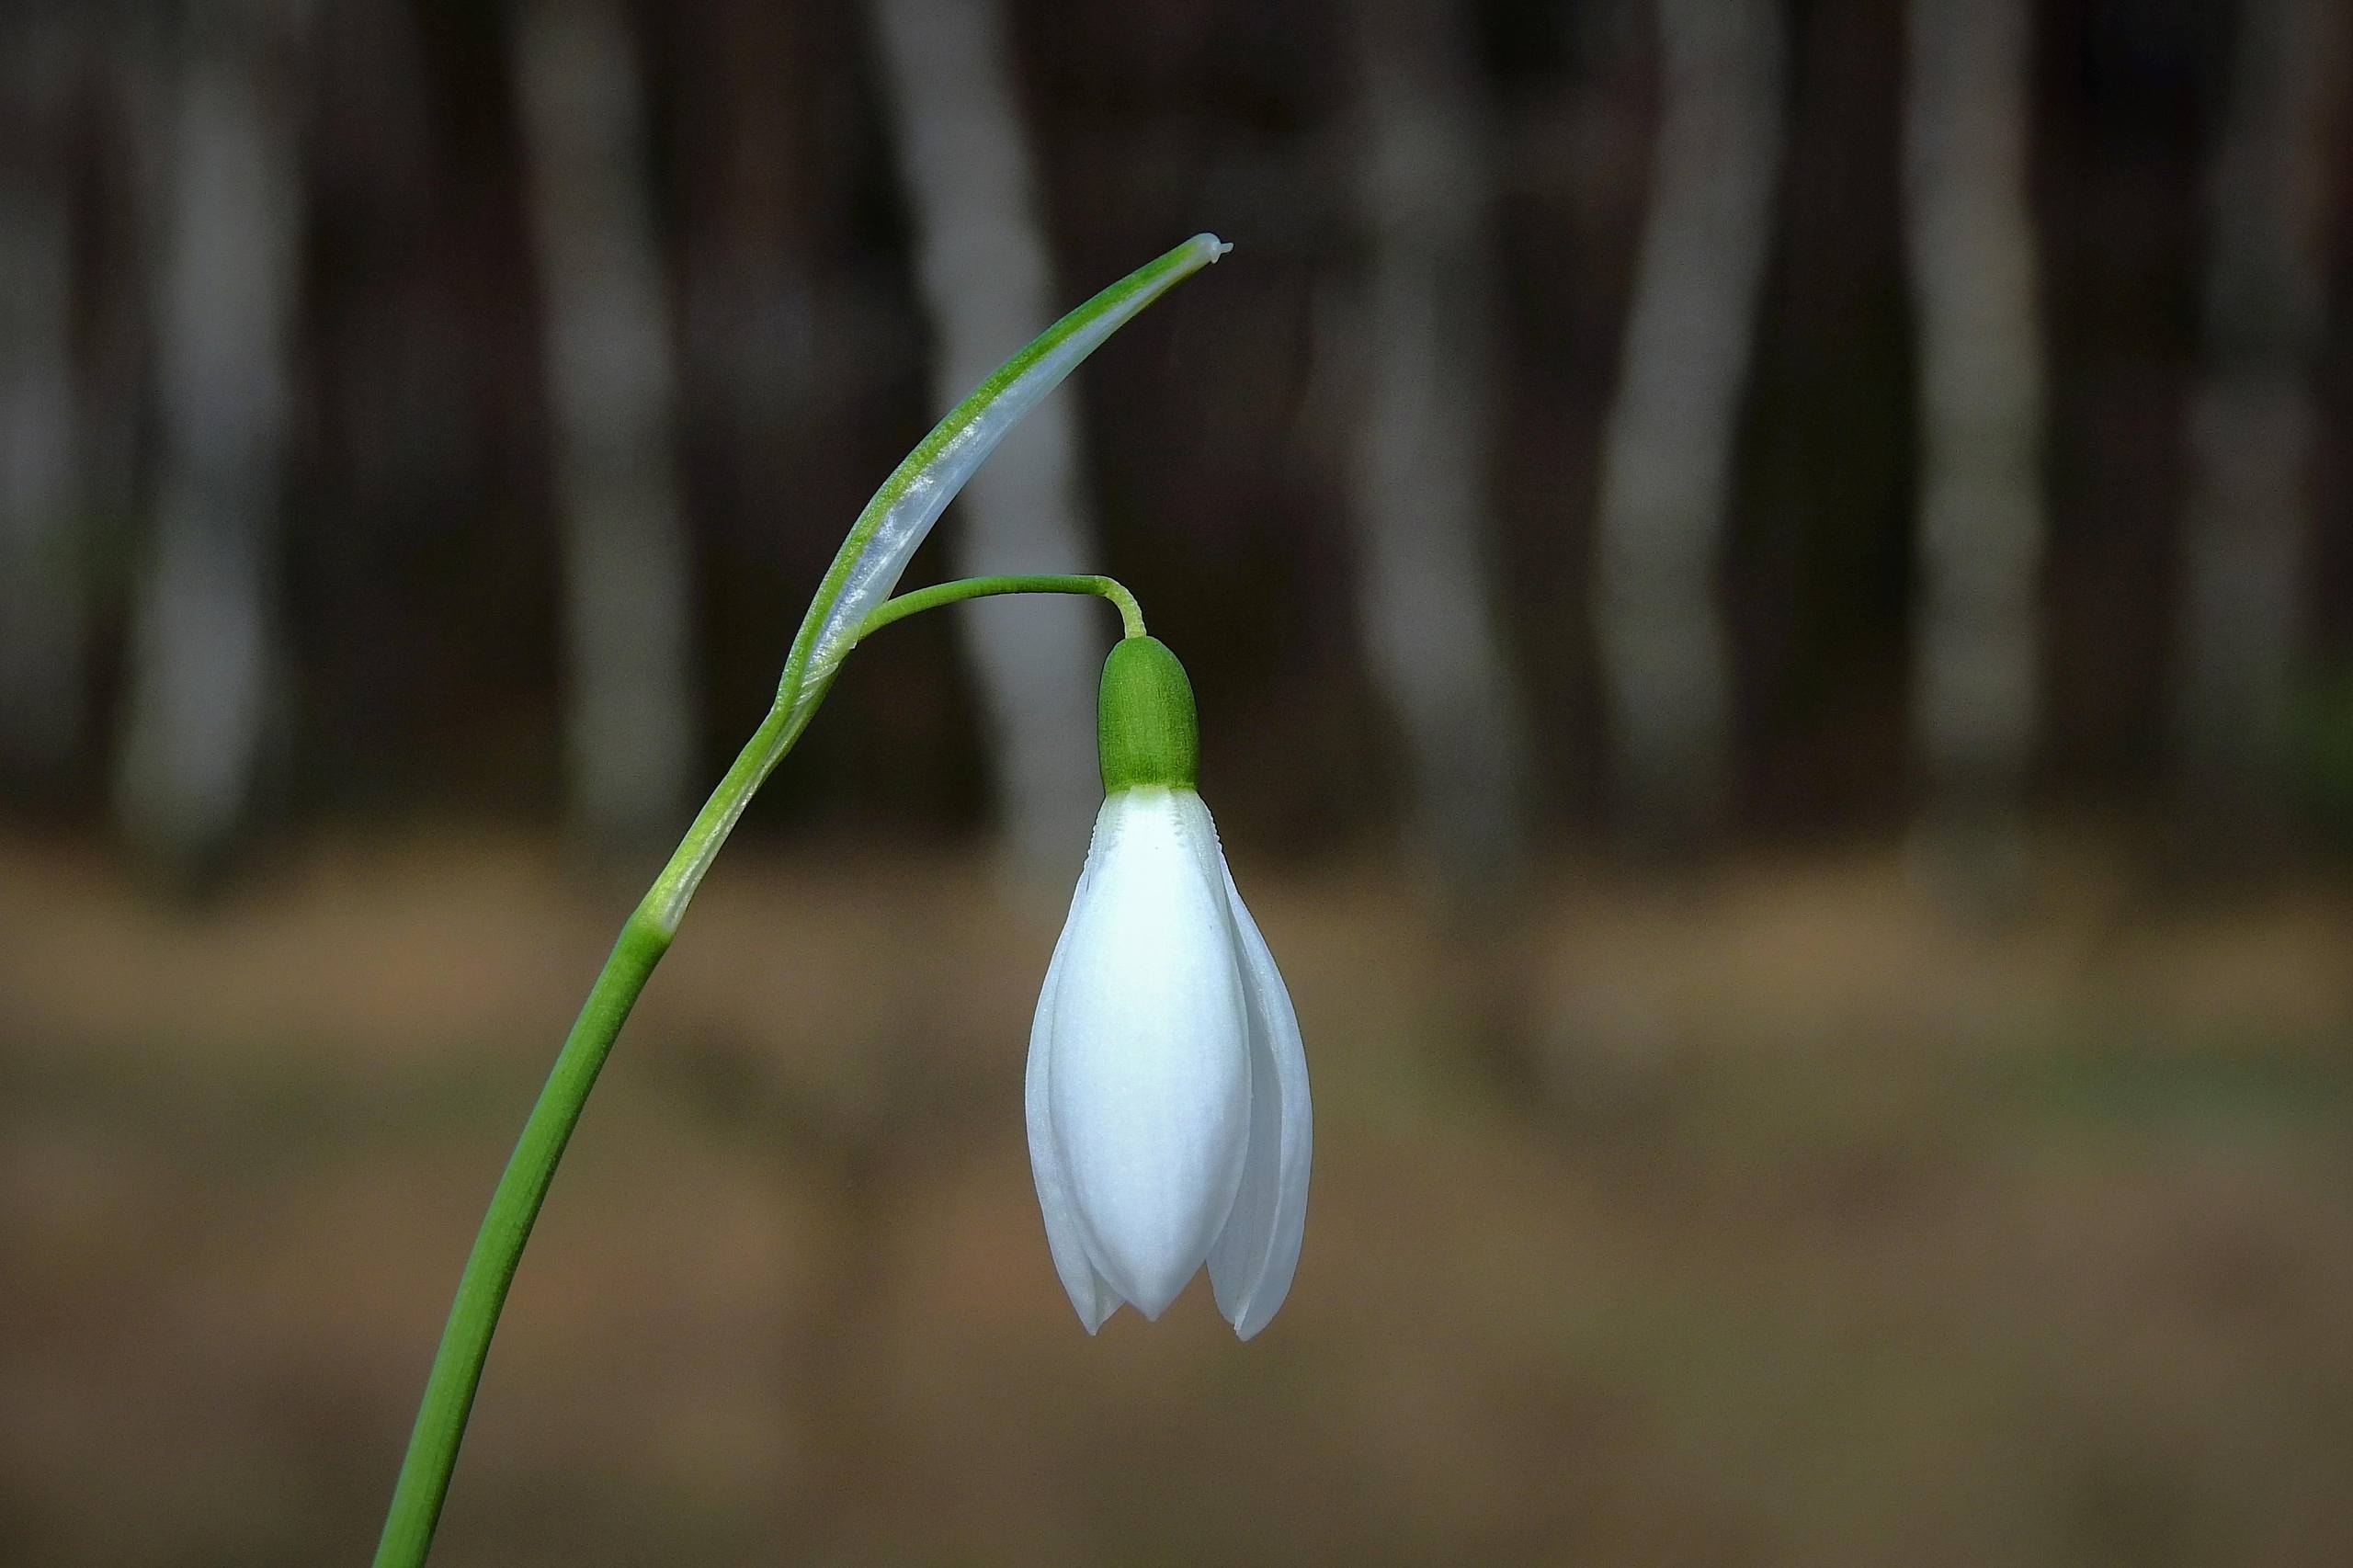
x,y
1755,1206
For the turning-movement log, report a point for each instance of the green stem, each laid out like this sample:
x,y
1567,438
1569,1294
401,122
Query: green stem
x,y
515,1206
450,1388
498,1247
963,588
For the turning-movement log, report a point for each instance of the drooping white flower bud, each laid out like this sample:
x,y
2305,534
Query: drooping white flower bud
x,y
1168,1088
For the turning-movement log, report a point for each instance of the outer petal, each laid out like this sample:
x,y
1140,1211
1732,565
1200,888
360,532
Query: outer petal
x,y
1254,1257
1148,1079
1089,1292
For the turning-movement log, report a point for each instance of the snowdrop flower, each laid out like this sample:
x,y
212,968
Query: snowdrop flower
x,y
1167,1089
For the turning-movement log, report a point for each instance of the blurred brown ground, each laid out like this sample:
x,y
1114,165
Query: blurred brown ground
x,y
1772,1218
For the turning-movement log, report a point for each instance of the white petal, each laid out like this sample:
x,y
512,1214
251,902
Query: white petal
x,y
1089,1292
1148,1083
1254,1257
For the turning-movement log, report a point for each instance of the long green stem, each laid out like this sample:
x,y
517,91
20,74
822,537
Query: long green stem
x,y
515,1206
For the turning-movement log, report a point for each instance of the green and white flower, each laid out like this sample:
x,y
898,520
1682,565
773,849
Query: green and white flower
x,y
1168,1113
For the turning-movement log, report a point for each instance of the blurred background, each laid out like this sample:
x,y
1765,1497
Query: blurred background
x,y
1771,591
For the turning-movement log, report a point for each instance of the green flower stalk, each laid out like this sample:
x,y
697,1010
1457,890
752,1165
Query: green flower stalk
x,y
853,601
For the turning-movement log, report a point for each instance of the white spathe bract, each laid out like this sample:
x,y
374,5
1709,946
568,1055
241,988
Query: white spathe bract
x,y
900,514
1168,1088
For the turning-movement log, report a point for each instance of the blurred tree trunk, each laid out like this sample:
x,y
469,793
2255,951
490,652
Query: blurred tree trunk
x,y
986,280
1668,461
43,595
205,666
2252,420
1969,233
632,722
1419,471
752,220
